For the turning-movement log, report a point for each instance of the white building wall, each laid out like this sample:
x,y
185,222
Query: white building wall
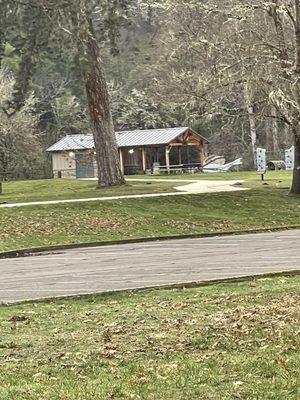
x,y
63,163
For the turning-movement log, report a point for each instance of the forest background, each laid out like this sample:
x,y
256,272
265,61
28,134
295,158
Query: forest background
x,y
224,68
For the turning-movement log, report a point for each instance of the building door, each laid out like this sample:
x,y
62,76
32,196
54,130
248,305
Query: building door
x,y
84,166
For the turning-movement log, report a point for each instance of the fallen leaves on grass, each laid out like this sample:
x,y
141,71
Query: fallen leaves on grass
x,y
190,225
19,318
53,224
206,336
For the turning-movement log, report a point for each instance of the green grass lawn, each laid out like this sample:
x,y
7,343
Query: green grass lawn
x,y
59,189
234,341
264,206
63,189
246,175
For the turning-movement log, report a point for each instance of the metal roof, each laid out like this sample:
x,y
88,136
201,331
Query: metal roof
x,y
148,137
73,142
136,138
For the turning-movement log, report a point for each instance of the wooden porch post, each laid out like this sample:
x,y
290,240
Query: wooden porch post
x,y
121,161
168,158
144,156
202,157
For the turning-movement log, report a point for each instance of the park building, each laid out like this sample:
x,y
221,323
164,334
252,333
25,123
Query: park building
x,y
151,151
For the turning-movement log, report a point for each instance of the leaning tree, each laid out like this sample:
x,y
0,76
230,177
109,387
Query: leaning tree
x,y
41,29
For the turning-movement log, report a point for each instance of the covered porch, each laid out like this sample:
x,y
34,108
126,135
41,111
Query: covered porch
x,y
186,152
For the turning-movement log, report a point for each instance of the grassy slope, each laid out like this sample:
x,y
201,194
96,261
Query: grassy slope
x,y
263,206
238,341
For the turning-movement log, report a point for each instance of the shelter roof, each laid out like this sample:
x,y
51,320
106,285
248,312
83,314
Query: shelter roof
x,y
135,138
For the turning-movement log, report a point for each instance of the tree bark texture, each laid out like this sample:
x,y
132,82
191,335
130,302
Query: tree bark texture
x,y
107,155
252,122
253,133
295,189
287,136
275,12
108,162
272,137
297,35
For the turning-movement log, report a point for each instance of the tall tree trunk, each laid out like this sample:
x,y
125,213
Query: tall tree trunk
x,y
2,48
276,13
107,156
274,130
295,189
269,133
252,122
297,35
287,135
108,162
253,133
3,17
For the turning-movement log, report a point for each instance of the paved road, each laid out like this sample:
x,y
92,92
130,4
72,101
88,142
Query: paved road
x,y
146,264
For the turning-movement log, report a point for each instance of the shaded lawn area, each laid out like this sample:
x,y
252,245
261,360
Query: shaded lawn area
x,y
63,189
261,207
234,341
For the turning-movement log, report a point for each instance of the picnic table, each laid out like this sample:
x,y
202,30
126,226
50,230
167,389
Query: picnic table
x,y
169,169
